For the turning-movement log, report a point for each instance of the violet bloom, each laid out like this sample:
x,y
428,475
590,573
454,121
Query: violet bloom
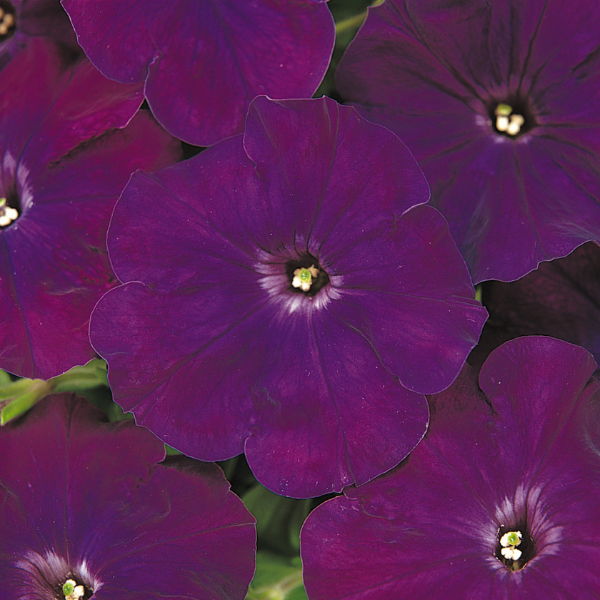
x,y
288,299
21,20
69,143
203,61
561,298
88,508
500,501
498,102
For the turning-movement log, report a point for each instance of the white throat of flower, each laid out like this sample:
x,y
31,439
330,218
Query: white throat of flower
x,y
507,121
509,542
303,277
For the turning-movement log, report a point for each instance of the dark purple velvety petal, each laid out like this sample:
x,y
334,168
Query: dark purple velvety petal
x,y
204,61
518,458
560,298
209,346
331,387
347,174
34,117
54,261
434,73
417,288
88,498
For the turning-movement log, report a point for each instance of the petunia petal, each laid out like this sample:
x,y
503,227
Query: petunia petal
x,y
204,61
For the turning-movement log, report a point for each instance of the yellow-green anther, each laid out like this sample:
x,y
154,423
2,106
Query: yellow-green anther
x,y
503,110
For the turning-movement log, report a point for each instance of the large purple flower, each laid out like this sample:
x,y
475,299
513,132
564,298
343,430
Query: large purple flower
x,y
69,143
21,20
203,61
500,501
282,283
498,102
89,502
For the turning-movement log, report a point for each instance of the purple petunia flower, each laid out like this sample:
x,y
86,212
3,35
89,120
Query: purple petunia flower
x,y
203,61
561,298
89,509
498,102
69,143
21,20
287,298
500,501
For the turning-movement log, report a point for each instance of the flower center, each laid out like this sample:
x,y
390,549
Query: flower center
x,y
509,542
511,119
72,591
306,276
8,214
50,576
7,20
303,277
515,547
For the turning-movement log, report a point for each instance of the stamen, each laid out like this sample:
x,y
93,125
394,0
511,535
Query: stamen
x,y
303,277
7,20
72,591
507,121
7,213
512,538
516,121
509,542
511,553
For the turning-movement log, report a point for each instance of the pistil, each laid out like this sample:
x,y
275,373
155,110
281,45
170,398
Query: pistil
x,y
303,277
72,591
509,542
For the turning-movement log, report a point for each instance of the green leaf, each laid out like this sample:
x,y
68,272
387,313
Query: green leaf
x,y
5,379
276,578
26,393
278,519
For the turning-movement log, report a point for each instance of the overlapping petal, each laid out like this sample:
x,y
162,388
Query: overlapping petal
x,y
210,347
560,298
517,455
435,73
70,145
88,499
203,61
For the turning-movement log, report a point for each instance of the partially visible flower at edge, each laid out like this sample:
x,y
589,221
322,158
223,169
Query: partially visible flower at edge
x,y
561,298
70,140
88,505
498,101
202,62
500,501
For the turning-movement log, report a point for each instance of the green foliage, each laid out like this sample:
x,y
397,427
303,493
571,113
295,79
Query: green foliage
x,y
277,578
